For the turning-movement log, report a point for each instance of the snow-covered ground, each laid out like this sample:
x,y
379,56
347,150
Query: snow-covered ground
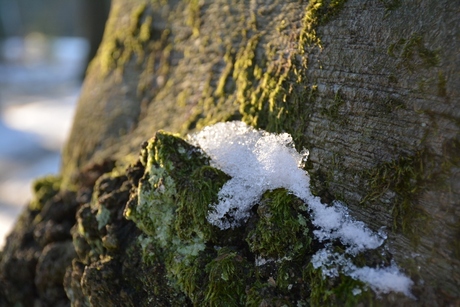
x,y
39,87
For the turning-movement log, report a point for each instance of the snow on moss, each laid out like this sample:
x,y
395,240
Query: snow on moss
x,y
253,159
259,161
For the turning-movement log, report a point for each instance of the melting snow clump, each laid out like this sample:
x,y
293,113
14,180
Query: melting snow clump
x,y
259,161
256,160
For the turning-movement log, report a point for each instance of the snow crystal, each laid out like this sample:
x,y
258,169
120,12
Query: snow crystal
x,y
356,291
259,161
381,280
384,280
259,261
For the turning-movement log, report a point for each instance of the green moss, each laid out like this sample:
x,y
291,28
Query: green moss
x,y
243,74
318,12
223,85
150,250
281,231
227,275
264,294
192,277
270,87
150,275
288,275
44,189
254,298
215,279
310,22
144,30
194,20
266,89
329,9
138,40
201,190
405,176
266,81
216,103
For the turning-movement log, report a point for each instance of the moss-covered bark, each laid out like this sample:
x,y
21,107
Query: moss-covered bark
x,y
369,87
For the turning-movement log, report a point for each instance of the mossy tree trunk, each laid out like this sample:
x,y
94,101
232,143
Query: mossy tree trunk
x,y
369,87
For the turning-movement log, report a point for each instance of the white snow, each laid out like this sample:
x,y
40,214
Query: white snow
x,y
256,160
259,161
381,280
384,280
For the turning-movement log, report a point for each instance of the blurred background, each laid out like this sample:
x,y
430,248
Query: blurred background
x,y
45,46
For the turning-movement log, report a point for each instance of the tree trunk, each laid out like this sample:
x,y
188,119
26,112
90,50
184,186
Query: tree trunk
x,y
368,87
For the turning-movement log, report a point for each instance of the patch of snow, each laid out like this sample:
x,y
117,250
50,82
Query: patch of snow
x,y
381,280
356,291
256,160
384,280
259,261
259,161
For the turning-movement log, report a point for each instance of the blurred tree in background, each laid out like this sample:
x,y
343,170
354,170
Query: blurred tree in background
x,y
81,18
93,17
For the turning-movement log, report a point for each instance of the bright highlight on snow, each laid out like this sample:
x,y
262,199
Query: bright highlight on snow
x,y
259,161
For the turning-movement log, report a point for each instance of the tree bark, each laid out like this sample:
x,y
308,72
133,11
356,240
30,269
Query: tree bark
x,y
369,87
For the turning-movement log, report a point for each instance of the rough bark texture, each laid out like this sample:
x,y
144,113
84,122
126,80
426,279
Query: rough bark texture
x,y
369,87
